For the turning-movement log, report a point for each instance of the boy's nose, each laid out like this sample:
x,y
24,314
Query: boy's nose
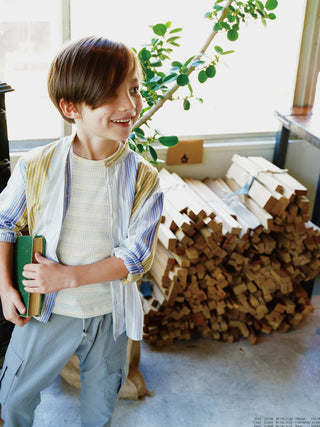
x,y
126,103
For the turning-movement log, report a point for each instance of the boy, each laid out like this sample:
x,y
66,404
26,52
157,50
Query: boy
x,y
98,205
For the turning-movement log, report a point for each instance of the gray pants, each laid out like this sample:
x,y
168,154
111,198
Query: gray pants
x,y
38,352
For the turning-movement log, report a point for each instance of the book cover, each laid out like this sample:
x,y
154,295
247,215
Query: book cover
x,y
25,248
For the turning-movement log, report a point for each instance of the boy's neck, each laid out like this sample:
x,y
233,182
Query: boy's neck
x,y
94,150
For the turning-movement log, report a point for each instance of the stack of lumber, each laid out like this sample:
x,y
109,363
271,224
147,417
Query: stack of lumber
x,y
231,265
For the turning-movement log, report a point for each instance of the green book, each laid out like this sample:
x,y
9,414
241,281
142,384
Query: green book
x,y
25,248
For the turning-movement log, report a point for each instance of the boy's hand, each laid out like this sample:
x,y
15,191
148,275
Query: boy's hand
x,y
45,277
12,306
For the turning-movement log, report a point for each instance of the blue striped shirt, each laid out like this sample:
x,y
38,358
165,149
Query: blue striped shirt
x,y
37,195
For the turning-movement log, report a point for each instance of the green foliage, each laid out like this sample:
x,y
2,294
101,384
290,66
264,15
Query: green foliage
x,y
162,74
168,141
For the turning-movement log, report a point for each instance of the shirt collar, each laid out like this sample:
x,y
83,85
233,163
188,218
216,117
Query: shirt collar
x,y
111,160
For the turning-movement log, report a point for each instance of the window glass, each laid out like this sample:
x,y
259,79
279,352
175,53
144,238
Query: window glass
x,y
250,83
29,37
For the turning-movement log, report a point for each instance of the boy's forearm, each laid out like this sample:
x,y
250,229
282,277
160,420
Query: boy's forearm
x,y
10,298
106,270
6,257
47,276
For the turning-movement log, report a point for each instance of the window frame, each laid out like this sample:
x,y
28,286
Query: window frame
x,y
309,59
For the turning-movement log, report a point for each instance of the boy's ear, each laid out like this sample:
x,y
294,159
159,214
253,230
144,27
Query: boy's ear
x,y
69,109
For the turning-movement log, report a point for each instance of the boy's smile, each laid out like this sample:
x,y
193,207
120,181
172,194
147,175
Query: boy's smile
x,y
100,130
124,123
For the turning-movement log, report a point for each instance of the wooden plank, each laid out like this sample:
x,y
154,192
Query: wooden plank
x,y
245,217
177,220
257,191
283,177
264,217
221,210
176,191
254,169
166,237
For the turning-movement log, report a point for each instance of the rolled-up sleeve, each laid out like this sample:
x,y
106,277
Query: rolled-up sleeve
x,y
137,250
13,209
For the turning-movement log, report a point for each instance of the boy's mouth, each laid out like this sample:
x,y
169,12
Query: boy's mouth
x,y
121,121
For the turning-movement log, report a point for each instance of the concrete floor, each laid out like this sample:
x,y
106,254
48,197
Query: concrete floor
x,y
203,383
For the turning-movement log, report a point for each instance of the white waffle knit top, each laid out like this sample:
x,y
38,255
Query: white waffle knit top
x,y
85,239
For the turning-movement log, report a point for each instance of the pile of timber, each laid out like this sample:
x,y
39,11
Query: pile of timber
x,y
232,255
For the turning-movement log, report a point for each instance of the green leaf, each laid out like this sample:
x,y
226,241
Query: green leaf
x,y
225,25
155,79
218,49
159,29
145,93
196,63
153,153
260,5
144,54
172,39
272,16
140,148
188,61
168,141
182,79
231,18
211,71
217,26
139,132
168,24
232,35
271,4
202,77
186,105
175,30
132,146
176,64
156,64
227,52
149,73
170,78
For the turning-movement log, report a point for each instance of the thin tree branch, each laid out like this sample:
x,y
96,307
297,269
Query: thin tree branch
x,y
168,95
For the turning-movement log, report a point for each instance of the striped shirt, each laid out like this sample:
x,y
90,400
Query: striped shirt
x,y
38,194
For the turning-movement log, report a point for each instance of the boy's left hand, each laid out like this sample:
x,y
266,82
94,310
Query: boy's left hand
x,y
45,277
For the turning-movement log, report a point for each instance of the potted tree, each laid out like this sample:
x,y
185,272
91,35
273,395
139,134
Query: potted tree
x,y
161,81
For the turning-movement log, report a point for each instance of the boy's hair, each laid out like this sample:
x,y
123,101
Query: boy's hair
x,y
90,70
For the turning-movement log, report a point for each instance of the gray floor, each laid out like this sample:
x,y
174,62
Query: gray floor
x,y
203,383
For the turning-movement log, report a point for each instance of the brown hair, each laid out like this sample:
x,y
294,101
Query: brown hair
x,y
90,70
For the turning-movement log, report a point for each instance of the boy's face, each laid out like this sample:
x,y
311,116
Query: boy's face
x,y
112,121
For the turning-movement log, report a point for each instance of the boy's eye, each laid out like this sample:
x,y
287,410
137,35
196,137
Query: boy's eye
x,y
135,89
